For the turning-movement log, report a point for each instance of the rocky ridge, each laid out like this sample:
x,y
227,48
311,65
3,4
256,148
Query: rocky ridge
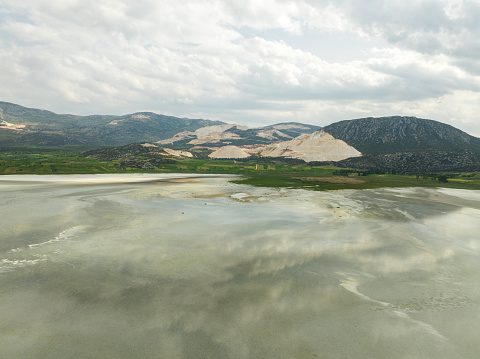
x,y
318,146
231,134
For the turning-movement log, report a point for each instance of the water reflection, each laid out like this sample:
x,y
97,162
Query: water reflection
x,y
178,269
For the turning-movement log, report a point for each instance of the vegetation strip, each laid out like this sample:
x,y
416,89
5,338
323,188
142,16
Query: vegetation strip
x,y
255,172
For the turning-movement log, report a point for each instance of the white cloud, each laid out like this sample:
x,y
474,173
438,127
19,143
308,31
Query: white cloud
x,y
208,57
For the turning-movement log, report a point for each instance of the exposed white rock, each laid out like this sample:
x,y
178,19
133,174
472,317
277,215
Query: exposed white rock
x,y
318,146
169,150
138,116
229,152
208,130
11,126
177,153
224,133
178,137
149,145
213,134
287,126
208,134
272,134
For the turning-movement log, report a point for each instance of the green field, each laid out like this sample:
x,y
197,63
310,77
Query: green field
x,y
255,173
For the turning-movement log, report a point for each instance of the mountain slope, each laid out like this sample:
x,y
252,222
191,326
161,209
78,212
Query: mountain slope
x,y
402,134
21,126
407,144
428,161
223,135
146,156
386,143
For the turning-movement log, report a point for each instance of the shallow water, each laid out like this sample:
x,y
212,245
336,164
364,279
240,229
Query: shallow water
x,y
148,266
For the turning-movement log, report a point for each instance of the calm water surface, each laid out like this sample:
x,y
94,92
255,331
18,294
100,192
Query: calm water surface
x,y
149,266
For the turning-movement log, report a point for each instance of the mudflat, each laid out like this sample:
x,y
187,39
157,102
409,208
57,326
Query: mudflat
x,y
124,266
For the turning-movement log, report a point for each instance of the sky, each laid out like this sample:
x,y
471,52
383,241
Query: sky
x,y
252,62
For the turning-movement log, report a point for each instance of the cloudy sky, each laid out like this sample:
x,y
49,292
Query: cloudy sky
x,y
252,62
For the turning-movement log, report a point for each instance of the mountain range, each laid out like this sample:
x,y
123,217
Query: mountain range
x,y
236,135
386,143
23,127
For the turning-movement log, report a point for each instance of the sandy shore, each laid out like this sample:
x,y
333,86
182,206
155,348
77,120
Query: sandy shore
x,y
105,178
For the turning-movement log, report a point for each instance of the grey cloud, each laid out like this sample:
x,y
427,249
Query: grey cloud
x,y
470,65
416,81
197,58
410,81
423,26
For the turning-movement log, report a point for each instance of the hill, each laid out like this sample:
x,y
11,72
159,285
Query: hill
x,y
384,135
407,144
23,127
231,134
146,156
317,146
403,144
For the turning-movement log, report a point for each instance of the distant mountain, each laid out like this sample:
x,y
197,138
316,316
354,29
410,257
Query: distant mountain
x,y
407,144
401,144
230,134
23,127
26,127
401,134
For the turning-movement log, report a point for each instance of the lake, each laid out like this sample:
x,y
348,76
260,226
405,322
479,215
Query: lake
x,y
185,266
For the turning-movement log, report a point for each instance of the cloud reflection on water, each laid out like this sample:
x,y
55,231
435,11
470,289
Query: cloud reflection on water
x,y
177,271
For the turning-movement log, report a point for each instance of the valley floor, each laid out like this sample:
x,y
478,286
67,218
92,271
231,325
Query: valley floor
x,y
256,172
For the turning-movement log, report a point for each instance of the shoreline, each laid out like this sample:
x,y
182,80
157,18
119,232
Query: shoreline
x,y
258,180
105,177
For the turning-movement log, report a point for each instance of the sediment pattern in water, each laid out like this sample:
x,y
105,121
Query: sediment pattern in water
x,y
147,266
